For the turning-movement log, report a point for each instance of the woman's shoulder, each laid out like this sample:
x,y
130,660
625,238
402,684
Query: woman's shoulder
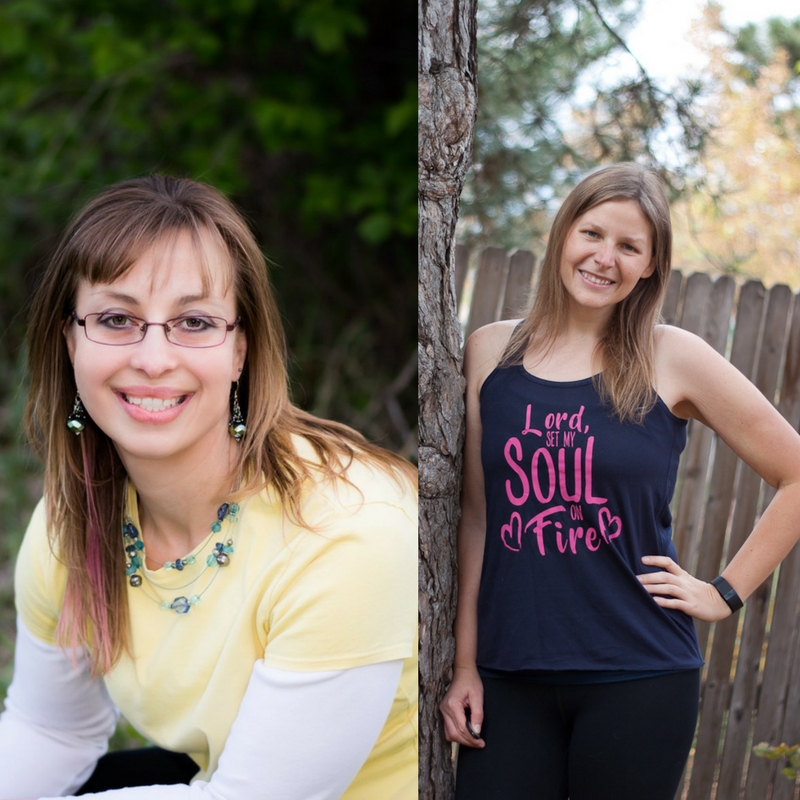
x,y
359,481
686,367
485,348
39,579
677,347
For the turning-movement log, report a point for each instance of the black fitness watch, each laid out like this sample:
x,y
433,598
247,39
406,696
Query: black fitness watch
x,y
728,593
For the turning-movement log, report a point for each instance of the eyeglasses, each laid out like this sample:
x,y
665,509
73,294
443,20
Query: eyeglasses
x,y
117,330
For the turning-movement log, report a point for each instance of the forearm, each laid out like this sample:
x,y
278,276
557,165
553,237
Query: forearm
x,y
297,736
471,541
56,723
771,540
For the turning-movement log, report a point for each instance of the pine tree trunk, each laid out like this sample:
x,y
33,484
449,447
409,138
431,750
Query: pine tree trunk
x,y
447,108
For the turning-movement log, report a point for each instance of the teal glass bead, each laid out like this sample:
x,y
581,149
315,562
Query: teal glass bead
x,y
216,527
180,605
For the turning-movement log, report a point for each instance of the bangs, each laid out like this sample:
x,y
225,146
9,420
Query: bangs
x,y
104,252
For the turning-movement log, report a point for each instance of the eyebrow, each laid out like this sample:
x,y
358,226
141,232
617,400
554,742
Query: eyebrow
x,y
126,298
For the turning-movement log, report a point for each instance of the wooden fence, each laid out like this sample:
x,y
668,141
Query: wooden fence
x,y
751,681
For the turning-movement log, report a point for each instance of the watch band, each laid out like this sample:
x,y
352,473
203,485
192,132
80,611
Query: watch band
x,y
728,593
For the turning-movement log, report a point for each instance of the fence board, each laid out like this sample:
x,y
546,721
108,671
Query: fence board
x,y
745,698
669,309
462,267
716,688
706,312
723,476
773,723
489,285
519,285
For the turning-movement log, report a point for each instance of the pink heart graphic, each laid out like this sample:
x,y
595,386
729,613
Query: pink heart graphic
x,y
607,522
512,539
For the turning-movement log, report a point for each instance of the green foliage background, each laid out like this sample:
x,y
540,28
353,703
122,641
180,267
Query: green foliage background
x,y
302,111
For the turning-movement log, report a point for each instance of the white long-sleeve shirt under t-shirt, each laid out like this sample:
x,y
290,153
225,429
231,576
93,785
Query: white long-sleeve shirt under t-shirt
x,y
297,736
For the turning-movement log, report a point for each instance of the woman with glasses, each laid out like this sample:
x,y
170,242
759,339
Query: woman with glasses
x,y
234,575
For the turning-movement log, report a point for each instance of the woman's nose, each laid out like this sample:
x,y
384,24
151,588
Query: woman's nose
x,y
605,254
154,354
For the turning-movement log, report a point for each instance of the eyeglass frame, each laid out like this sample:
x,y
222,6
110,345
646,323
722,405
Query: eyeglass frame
x,y
229,326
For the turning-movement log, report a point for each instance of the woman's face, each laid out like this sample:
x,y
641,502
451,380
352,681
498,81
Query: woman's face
x,y
608,250
155,399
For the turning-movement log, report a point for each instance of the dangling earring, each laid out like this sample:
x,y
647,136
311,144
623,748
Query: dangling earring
x,y
76,421
237,427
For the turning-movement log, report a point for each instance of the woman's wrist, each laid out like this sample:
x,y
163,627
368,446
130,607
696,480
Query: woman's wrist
x,y
728,593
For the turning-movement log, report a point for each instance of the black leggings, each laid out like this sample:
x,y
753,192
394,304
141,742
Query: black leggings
x,y
609,741
146,767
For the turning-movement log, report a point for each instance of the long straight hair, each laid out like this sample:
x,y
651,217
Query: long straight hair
x,y
627,380
84,477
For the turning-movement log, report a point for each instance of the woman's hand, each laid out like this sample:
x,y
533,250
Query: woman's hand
x,y
676,588
465,692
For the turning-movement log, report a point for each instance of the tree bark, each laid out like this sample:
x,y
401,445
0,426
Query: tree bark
x,y
447,109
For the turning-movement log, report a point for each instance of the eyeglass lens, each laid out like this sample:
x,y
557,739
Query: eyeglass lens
x,y
191,331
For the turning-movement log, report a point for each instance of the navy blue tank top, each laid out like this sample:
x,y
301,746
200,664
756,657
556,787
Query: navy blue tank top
x,y
574,499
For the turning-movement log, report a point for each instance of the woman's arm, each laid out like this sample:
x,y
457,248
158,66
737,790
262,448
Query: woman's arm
x,y
56,723
697,382
481,354
297,736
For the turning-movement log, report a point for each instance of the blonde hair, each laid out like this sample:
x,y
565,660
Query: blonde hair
x,y
84,476
627,381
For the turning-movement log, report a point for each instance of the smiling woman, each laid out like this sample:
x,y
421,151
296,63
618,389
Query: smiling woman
x,y
573,615
133,381
224,568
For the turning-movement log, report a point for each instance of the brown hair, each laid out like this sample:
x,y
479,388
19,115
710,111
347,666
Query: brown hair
x,y
627,381
84,476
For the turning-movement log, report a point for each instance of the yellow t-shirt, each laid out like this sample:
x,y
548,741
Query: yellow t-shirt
x,y
340,595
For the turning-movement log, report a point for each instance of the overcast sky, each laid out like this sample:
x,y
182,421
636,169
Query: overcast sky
x,y
659,40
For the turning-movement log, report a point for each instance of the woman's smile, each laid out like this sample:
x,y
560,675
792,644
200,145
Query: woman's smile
x,y
152,404
595,279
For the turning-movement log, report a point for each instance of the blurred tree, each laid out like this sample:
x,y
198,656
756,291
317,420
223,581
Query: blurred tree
x,y
554,103
759,45
303,111
742,214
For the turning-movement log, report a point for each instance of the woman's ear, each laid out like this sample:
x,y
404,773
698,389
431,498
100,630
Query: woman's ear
x,y
239,354
68,330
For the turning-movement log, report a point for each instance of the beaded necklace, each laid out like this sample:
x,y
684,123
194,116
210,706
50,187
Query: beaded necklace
x,y
218,557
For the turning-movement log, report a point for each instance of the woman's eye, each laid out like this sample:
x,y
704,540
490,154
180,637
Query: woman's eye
x,y
116,321
194,324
